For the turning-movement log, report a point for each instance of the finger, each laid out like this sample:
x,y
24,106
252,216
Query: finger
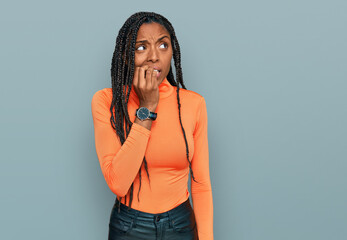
x,y
154,79
145,68
142,80
149,72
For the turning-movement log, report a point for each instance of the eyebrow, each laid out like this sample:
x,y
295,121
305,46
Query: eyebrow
x,y
159,39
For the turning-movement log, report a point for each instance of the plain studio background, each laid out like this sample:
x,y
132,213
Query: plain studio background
x,y
273,74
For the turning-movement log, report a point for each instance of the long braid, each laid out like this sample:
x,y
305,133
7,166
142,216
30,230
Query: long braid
x,y
179,76
122,73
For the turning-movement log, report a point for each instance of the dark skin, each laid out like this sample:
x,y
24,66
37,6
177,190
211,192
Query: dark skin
x,y
152,50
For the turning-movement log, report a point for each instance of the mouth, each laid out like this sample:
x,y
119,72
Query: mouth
x,y
158,72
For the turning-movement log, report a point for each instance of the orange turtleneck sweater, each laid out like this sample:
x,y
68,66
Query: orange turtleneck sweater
x,y
165,151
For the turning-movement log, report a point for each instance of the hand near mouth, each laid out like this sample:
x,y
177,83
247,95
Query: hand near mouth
x,y
146,86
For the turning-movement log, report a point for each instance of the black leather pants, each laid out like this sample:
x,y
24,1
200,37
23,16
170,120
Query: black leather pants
x,y
175,224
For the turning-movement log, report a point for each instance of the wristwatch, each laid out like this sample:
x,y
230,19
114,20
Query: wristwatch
x,y
143,113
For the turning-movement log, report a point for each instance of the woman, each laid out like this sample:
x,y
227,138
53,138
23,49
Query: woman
x,y
149,133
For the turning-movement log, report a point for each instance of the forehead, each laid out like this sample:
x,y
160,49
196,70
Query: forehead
x,y
151,30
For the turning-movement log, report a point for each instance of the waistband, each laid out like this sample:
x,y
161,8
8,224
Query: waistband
x,y
182,208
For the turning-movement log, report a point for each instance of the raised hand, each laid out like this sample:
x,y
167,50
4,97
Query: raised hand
x,y
145,84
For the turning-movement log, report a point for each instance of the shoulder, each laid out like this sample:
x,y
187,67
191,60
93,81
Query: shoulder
x,y
103,94
190,96
102,98
193,102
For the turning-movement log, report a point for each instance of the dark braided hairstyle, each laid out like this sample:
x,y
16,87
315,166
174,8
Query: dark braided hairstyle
x,y
122,73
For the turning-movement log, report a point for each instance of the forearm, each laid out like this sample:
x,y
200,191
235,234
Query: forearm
x,y
203,210
121,167
119,163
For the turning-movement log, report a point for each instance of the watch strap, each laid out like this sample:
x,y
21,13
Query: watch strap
x,y
152,115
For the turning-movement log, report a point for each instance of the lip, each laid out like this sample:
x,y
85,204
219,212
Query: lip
x,y
158,74
156,68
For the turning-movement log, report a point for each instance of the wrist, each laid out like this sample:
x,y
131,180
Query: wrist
x,y
151,107
144,113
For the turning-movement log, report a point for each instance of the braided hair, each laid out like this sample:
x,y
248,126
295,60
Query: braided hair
x,y
122,73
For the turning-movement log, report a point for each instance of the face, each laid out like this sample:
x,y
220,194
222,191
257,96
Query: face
x,y
153,48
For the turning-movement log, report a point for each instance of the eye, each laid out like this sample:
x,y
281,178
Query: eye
x,y
138,48
166,46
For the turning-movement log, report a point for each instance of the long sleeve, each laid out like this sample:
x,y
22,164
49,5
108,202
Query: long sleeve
x,y
119,163
202,191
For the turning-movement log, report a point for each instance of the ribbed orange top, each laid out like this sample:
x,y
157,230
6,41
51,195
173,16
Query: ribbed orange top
x,y
165,151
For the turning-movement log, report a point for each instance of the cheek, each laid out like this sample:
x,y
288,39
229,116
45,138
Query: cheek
x,y
168,61
170,57
139,59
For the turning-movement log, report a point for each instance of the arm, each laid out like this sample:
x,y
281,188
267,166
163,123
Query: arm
x,y
119,163
202,191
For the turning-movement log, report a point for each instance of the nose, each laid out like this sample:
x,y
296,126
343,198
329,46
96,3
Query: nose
x,y
153,55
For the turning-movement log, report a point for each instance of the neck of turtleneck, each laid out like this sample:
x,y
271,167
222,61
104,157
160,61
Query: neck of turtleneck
x,y
165,90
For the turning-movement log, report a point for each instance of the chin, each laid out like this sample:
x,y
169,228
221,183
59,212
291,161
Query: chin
x,y
161,78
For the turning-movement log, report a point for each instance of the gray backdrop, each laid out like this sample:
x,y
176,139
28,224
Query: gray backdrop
x,y
273,74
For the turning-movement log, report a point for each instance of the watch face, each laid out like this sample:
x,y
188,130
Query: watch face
x,y
143,113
